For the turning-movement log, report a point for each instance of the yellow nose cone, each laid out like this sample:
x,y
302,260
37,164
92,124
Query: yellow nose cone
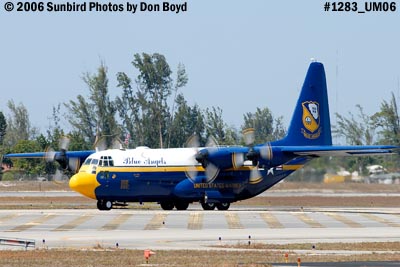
x,y
84,183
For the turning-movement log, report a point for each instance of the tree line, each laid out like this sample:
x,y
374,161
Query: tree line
x,y
151,110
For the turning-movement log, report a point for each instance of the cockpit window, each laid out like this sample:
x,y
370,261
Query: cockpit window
x,y
87,161
106,161
95,161
110,161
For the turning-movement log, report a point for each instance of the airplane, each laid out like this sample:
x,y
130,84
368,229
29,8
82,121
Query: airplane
x,y
212,175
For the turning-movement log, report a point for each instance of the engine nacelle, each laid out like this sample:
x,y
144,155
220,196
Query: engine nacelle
x,y
224,157
227,158
271,156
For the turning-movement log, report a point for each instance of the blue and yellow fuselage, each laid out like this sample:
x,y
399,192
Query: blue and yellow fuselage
x,y
157,175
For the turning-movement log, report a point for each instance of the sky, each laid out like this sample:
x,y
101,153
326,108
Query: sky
x,y
239,55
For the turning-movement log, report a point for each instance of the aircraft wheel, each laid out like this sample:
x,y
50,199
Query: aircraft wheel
x,y
181,205
104,204
223,206
208,206
167,205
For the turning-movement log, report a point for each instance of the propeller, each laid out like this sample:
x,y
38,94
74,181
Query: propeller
x,y
201,156
193,142
264,152
248,136
212,160
65,162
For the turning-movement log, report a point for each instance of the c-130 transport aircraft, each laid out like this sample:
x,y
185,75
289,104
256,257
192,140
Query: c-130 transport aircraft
x,y
214,176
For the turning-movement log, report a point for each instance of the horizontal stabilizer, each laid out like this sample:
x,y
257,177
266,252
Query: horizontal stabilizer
x,y
317,151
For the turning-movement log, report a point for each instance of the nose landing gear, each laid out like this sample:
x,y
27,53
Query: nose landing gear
x,y
104,204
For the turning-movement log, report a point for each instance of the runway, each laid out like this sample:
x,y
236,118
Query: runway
x,y
197,229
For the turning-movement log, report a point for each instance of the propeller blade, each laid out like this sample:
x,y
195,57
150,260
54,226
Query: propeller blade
x,y
255,174
248,136
191,170
49,154
73,164
64,143
266,152
116,143
211,142
211,145
101,144
238,160
57,177
193,142
211,172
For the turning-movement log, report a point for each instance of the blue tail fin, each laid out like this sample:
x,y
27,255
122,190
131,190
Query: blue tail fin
x,y
310,123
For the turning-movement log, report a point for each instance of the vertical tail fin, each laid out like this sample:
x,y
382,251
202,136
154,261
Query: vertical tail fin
x,y
310,124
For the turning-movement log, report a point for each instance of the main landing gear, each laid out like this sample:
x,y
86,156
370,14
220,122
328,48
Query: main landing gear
x,y
219,206
179,205
183,205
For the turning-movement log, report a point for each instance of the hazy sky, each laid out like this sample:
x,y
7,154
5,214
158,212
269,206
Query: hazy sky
x,y
239,55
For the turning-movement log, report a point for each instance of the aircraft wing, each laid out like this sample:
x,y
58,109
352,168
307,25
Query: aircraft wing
x,y
72,154
341,150
71,160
